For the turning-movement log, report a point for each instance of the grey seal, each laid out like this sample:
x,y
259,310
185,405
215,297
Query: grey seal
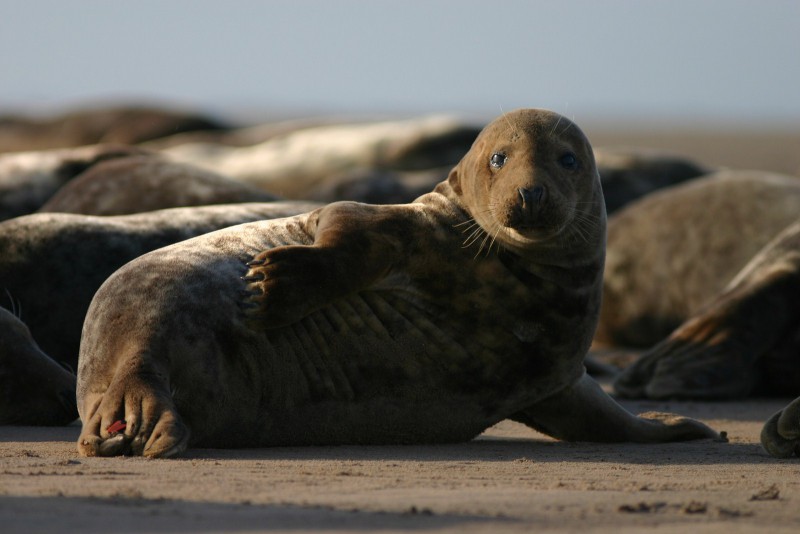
x,y
411,323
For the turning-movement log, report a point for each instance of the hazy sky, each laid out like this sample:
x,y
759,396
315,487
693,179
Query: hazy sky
x,y
733,60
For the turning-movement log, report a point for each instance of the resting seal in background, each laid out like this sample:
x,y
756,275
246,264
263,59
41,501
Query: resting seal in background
x,y
147,183
631,173
745,341
296,164
28,179
34,389
110,124
422,322
50,267
654,277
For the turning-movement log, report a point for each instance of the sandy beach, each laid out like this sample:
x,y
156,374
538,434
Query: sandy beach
x,y
510,479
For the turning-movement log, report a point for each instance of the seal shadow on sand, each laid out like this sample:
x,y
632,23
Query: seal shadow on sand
x,y
484,448
535,450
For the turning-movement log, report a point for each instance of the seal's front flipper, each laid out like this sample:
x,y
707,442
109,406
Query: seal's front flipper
x,y
781,433
584,412
287,283
354,246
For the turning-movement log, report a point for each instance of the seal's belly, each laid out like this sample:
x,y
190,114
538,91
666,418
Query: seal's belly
x,y
378,367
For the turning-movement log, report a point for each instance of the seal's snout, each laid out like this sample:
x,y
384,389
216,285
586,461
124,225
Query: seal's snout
x,y
533,198
532,202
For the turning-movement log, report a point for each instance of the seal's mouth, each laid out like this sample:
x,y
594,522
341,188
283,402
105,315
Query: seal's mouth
x,y
531,212
533,234
519,219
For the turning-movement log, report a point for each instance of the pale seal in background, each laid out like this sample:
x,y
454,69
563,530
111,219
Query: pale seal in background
x,y
294,165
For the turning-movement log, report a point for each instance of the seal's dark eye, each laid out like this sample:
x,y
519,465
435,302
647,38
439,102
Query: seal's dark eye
x,y
568,161
497,160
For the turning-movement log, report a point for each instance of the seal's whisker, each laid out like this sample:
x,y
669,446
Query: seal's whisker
x,y
553,131
569,125
16,305
11,300
582,204
470,227
474,229
489,209
480,248
468,221
584,224
496,233
588,216
473,237
588,221
583,228
510,124
580,233
491,242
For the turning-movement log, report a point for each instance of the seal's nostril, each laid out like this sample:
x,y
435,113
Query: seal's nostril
x,y
539,194
532,197
525,196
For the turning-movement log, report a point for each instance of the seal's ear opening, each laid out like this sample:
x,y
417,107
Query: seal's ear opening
x,y
454,180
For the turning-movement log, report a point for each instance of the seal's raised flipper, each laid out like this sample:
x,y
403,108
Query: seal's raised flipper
x,y
781,433
354,245
584,412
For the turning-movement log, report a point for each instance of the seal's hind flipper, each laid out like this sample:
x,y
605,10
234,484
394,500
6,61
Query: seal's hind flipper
x,y
584,412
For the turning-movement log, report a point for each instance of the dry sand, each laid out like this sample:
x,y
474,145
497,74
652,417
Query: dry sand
x,y
768,149
510,479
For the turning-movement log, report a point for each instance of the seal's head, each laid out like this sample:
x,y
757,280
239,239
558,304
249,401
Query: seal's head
x,y
530,180
34,390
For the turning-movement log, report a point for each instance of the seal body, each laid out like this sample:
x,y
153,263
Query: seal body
x,y
119,125
145,183
294,165
29,179
354,323
628,174
653,277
